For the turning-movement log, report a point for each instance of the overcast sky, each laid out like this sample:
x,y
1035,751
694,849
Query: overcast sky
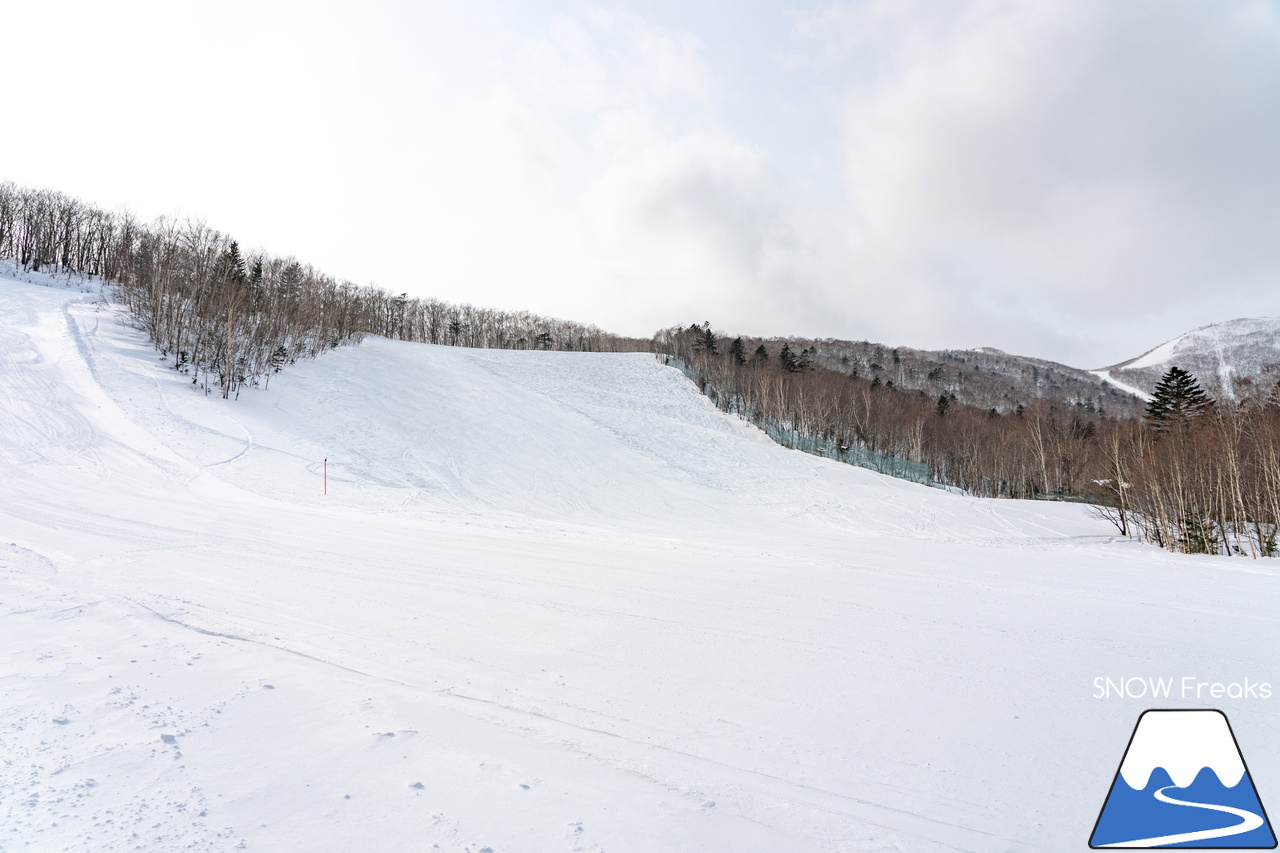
x,y
1070,179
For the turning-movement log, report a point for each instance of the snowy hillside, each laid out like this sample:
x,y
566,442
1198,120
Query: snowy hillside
x,y
550,602
1219,355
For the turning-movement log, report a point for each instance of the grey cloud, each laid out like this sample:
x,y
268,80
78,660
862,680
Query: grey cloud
x,y
1074,159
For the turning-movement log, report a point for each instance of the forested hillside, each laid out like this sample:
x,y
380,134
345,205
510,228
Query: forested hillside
x,y
986,377
1189,474
229,317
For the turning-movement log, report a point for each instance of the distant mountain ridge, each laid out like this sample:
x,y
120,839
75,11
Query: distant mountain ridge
x,y
986,377
1221,355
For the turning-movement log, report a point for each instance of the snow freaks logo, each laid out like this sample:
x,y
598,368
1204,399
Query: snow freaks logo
x,y
1183,783
1187,687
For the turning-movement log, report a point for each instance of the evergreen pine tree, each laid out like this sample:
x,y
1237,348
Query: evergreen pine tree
x,y
291,279
738,352
788,360
233,264
704,340
708,339
1177,399
762,354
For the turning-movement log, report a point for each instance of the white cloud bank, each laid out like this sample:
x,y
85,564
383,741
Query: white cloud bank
x,y
1070,179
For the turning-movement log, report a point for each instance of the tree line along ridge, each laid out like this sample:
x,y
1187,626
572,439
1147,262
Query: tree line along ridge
x,y
231,319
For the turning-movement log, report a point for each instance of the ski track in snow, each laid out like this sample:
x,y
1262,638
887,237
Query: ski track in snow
x,y
1105,376
553,601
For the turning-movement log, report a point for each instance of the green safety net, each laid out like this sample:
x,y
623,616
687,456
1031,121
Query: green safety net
x,y
787,436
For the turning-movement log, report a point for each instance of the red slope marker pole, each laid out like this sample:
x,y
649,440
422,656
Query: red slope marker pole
x,y
326,475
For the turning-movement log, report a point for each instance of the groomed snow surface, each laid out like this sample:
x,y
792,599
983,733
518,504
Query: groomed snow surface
x,y
551,602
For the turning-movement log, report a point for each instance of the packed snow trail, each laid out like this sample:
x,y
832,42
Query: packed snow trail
x,y
553,601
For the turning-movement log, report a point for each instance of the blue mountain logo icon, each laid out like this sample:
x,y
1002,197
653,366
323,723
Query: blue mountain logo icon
x,y
1183,783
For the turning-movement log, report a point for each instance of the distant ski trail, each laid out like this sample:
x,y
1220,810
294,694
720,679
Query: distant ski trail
x,y
1105,376
1249,822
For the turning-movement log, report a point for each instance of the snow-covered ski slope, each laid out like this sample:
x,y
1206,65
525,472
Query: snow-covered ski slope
x,y
551,602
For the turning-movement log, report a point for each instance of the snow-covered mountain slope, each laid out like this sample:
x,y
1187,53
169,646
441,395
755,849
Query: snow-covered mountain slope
x,y
1219,355
551,601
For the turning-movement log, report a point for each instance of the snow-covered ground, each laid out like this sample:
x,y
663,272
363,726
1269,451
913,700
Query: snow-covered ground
x,y
551,602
